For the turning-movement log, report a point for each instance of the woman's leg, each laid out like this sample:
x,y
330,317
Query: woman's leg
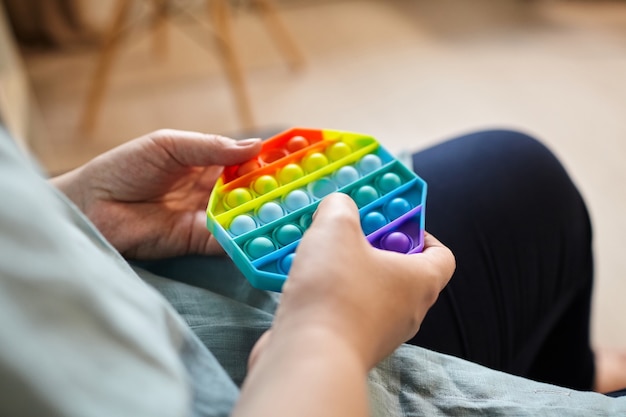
x,y
520,298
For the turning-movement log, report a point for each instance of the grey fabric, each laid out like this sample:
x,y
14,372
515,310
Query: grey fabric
x,y
229,316
223,310
419,382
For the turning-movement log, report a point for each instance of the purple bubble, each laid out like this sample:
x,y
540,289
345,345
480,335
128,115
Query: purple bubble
x,y
397,242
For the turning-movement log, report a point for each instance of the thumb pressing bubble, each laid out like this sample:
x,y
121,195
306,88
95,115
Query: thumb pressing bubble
x,y
338,214
371,299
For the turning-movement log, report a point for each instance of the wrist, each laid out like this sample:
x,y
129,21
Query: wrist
x,y
320,337
311,370
339,319
70,184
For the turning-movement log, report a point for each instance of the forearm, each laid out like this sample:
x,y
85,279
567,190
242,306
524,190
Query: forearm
x,y
308,373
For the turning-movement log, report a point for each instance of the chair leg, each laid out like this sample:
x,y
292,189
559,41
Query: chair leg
x,y
220,15
105,60
159,29
221,18
281,35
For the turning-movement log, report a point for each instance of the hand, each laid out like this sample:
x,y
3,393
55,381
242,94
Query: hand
x,y
148,197
342,288
345,306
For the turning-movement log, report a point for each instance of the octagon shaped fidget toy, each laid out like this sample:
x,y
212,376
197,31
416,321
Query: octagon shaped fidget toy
x,y
259,210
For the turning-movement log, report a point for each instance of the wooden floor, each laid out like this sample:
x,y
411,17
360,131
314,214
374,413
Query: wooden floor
x,y
408,72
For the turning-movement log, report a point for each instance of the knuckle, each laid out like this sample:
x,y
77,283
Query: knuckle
x,y
213,138
161,133
341,217
430,296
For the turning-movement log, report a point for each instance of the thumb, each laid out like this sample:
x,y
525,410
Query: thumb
x,y
337,216
258,349
201,149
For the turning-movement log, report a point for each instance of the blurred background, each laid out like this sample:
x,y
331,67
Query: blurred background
x,y
78,77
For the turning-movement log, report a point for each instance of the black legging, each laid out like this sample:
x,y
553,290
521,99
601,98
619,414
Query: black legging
x,y
519,300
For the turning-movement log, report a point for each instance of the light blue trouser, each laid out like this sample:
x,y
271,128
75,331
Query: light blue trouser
x,y
228,316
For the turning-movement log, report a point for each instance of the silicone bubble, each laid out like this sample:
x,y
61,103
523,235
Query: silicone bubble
x,y
285,263
369,163
242,224
259,246
322,187
248,167
372,221
287,234
269,212
346,175
364,195
272,155
389,182
290,173
306,220
237,197
338,150
397,207
264,184
296,143
314,161
397,242
296,199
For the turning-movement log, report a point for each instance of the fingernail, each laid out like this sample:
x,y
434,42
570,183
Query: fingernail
x,y
248,142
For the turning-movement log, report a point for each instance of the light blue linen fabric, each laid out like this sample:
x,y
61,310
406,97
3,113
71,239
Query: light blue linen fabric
x,y
82,335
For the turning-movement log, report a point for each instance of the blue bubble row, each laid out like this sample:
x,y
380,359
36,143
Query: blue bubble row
x,y
283,235
288,233
393,209
280,236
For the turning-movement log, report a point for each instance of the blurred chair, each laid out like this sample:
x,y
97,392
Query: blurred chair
x,y
19,114
220,17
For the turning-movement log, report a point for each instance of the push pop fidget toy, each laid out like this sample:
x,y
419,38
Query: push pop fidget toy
x,y
259,210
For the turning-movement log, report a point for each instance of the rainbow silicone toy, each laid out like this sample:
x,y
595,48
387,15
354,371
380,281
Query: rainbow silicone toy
x,y
259,210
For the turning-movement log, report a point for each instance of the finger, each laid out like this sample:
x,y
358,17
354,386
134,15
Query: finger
x,y
435,261
201,241
200,149
337,212
258,348
440,255
335,227
214,248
